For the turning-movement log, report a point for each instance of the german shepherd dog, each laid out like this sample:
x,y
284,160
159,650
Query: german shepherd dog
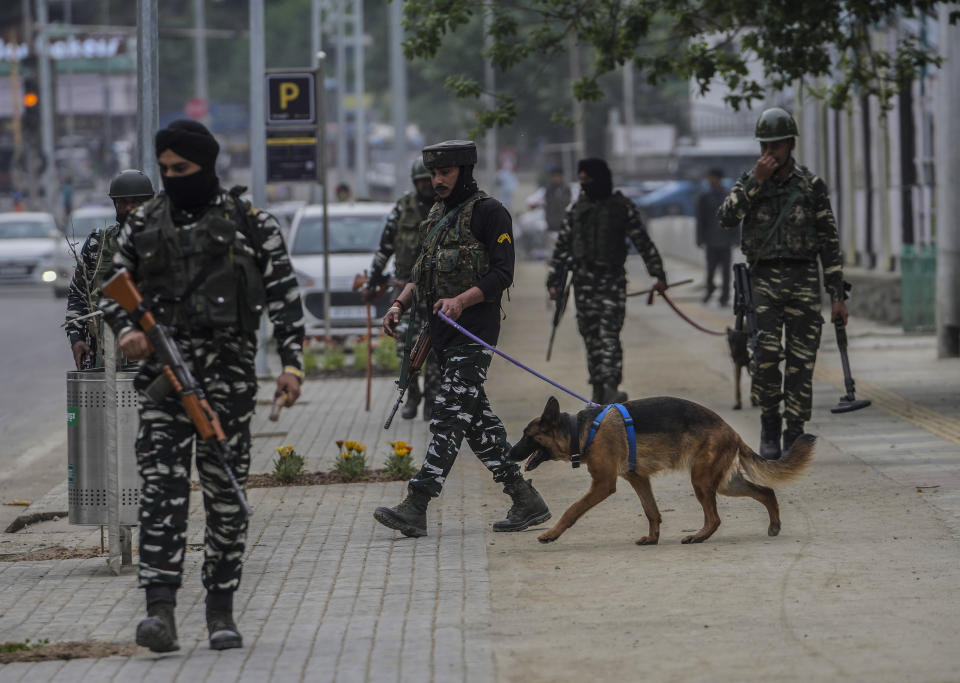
x,y
671,434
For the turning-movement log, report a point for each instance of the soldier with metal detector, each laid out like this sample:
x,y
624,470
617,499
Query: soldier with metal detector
x,y
465,262
208,265
401,239
787,225
128,190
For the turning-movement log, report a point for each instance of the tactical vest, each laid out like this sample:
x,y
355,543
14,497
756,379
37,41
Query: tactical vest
x,y
406,243
781,222
204,276
599,231
451,259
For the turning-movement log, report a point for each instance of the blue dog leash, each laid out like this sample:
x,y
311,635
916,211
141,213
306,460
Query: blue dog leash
x,y
631,435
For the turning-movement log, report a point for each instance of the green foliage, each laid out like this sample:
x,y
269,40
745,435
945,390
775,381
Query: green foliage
x,y
15,646
288,465
399,463
385,354
310,364
352,462
703,41
333,358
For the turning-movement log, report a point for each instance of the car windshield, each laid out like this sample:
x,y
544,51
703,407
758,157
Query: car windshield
x,y
83,225
18,230
348,234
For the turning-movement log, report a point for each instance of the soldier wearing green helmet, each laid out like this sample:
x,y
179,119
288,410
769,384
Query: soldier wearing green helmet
x,y
787,225
401,239
128,190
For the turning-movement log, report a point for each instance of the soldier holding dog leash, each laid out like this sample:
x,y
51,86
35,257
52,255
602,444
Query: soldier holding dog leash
x,y
465,262
787,225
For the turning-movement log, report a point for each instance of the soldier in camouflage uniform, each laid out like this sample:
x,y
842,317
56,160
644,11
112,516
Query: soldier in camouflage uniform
x,y
465,262
592,243
787,224
208,264
401,239
128,190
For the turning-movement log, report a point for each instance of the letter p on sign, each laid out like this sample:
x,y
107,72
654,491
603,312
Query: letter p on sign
x,y
288,91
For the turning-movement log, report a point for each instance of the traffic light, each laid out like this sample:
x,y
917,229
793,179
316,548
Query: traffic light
x,y
31,105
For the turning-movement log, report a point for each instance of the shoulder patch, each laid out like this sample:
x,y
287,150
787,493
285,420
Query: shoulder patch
x,y
504,237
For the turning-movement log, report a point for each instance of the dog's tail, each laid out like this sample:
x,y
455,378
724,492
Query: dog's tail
x,y
770,472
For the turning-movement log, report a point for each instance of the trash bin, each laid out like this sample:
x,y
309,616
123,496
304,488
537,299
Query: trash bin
x,y
86,447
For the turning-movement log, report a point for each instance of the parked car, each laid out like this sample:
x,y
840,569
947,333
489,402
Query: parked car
x,y
355,230
284,213
28,245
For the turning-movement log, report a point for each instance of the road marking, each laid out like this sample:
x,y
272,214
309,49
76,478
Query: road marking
x,y
936,423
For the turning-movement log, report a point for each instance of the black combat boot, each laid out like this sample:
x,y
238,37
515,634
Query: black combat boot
x,y
409,517
612,395
790,434
770,427
528,508
220,625
158,631
413,400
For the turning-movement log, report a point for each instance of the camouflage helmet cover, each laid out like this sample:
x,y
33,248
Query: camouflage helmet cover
x,y
450,153
130,183
418,171
775,124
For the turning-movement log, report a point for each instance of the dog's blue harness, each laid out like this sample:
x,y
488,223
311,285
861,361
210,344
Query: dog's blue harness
x,y
631,434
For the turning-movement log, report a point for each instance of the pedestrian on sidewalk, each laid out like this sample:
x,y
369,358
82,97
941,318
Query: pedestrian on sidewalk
x,y
593,244
128,190
716,242
208,264
787,225
465,262
401,239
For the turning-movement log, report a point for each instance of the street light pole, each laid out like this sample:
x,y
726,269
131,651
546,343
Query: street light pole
x,y
200,87
258,145
46,106
398,97
323,175
147,88
360,137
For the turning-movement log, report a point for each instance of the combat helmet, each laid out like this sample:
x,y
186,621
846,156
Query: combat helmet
x,y
450,153
775,124
418,171
130,183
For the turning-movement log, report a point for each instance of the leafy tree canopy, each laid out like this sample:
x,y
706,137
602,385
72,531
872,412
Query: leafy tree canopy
x,y
702,41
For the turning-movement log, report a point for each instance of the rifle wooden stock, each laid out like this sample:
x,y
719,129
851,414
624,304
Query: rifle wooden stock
x,y
122,289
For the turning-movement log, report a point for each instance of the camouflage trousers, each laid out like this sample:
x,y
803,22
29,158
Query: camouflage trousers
x,y
431,367
601,305
786,296
165,445
461,409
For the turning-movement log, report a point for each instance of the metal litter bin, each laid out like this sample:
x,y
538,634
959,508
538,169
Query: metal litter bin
x,y
86,447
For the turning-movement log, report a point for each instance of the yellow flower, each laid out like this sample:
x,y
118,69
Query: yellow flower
x,y
359,447
285,451
346,454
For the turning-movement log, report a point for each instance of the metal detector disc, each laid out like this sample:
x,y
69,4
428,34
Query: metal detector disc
x,y
847,405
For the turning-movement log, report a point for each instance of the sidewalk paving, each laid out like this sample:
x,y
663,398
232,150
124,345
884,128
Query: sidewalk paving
x,y
860,585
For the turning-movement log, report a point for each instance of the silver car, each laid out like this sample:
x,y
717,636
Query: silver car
x,y
355,230
28,247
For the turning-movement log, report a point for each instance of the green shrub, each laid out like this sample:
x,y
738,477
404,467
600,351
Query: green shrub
x,y
333,358
400,463
385,354
352,463
309,361
288,464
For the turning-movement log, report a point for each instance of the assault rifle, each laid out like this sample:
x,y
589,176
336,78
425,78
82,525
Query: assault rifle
x,y
563,294
411,366
123,290
743,309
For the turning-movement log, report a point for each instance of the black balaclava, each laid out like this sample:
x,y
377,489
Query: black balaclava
x,y
601,182
191,140
465,188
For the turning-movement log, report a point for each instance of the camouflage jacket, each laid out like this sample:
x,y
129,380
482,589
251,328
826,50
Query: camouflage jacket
x,y
283,296
563,256
392,232
791,219
84,291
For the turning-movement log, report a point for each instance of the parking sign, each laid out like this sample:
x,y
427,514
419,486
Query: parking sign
x,y
290,98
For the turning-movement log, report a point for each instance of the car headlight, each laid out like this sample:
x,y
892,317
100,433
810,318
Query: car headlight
x,y
49,276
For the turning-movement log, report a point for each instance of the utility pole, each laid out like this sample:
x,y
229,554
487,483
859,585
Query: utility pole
x,y
628,115
489,101
948,200
68,20
147,88
46,107
200,88
360,136
341,75
398,97
258,144
316,44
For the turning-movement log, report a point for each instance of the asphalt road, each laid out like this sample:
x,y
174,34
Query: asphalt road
x,y
33,359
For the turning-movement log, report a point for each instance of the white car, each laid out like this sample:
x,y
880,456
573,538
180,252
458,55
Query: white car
x,y
81,223
355,230
28,247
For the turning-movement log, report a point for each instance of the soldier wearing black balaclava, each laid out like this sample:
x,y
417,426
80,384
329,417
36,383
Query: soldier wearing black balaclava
x,y
593,244
208,265
465,262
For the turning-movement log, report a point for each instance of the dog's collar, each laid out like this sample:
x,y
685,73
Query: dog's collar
x,y
573,427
